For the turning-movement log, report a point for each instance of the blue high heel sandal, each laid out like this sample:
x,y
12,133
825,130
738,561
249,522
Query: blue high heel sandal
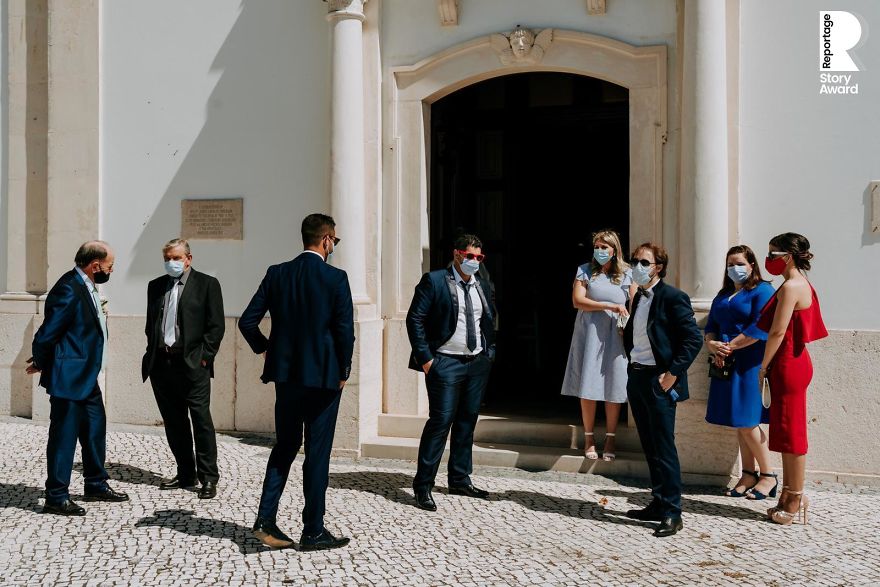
x,y
734,493
757,495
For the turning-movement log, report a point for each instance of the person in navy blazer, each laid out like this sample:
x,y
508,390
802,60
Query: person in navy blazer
x,y
661,341
456,358
68,353
308,357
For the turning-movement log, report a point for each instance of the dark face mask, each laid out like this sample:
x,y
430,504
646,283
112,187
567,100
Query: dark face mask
x,y
100,276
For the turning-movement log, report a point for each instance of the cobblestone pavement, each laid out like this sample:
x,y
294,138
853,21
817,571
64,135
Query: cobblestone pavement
x,y
538,528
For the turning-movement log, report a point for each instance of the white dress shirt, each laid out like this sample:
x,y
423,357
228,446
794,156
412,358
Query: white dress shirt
x,y
457,345
641,352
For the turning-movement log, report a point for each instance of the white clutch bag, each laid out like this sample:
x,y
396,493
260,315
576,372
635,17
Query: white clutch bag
x,y
622,320
765,393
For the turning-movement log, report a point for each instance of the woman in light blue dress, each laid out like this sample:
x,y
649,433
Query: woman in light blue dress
x,y
596,369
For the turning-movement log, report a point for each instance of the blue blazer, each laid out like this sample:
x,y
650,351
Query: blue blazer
x,y
312,334
675,337
68,346
433,315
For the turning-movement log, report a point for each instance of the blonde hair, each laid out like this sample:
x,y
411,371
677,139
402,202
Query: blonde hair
x,y
618,265
176,242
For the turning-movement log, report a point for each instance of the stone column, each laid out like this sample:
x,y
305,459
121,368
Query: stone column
x,y
347,192
704,219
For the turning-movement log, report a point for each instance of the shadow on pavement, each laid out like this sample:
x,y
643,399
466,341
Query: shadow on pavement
x,y
693,506
387,485
186,522
128,474
18,495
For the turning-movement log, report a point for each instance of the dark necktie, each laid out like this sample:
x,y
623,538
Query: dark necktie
x,y
469,317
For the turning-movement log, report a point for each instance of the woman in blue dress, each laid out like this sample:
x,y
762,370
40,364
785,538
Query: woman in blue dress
x,y
731,331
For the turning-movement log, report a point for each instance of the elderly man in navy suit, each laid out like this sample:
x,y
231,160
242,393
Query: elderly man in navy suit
x,y
69,351
661,340
451,330
308,356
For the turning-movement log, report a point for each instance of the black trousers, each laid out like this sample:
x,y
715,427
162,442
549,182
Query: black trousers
x,y
297,410
183,394
455,390
654,413
69,421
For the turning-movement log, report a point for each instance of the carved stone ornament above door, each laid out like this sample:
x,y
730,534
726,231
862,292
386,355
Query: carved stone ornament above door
x,y
521,46
448,10
596,7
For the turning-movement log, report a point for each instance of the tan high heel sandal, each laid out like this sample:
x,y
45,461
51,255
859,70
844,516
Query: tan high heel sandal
x,y
778,505
780,516
608,456
588,452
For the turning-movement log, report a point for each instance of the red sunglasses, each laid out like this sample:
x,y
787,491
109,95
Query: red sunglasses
x,y
471,256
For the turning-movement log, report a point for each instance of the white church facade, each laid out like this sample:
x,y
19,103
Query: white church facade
x,y
698,124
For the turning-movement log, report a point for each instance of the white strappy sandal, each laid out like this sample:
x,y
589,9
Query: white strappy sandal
x,y
609,456
590,453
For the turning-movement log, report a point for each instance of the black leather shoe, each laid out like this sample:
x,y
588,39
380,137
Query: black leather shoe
x,y
648,514
668,526
178,483
468,490
65,508
268,533
208,490
106,495
323,541
425,501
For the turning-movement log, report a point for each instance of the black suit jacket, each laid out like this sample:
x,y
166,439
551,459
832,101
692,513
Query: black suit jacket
x,y
433,314
675,337
200,317
68,346
312,338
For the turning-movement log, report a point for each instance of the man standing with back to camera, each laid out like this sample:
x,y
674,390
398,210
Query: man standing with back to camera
x,y
185,324
308,356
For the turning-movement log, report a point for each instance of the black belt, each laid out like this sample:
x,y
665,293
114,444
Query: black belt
x,y
640,367
462,358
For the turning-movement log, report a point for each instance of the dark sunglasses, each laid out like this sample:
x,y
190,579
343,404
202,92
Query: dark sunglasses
x,y
642,262
471,256
334,239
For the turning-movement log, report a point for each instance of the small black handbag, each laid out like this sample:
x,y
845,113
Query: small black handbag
x,y
724,372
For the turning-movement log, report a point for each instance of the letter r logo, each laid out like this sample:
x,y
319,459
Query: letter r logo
x,y
839,32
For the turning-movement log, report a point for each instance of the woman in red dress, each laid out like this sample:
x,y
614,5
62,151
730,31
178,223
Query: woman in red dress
x,y
791,318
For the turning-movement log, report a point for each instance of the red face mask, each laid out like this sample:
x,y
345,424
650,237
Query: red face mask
x,y
775,265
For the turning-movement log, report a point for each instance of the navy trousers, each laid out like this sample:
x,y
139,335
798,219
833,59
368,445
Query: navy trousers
x,y
69,421
298,410
455,390
654,413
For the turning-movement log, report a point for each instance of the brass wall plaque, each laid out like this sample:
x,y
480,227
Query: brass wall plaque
x,y
212,219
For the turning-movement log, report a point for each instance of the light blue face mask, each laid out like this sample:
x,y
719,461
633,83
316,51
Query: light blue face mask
x,y
601,256
738,273
642,275
470,266
174,268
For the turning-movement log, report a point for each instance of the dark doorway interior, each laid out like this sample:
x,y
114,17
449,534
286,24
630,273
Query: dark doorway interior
x,y
533,164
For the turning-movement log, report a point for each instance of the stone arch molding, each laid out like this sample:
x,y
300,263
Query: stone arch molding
x,y
412,89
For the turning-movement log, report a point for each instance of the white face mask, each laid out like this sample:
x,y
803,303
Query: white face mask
x,y
642,275
470,266
738,273
174,268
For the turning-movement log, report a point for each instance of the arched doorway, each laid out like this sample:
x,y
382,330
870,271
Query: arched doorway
x,y
533,163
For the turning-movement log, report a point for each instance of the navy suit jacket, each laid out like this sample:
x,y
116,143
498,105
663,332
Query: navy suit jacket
x,y
433,315
675,337
68,346
312,337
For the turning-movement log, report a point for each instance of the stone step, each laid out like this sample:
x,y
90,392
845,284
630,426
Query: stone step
x,y
516,430
520,456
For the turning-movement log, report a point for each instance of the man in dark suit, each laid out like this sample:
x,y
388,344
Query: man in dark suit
x,y
456,359
185,324
69,351
661,340
308,356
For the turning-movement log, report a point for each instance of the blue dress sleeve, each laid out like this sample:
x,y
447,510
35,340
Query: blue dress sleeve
x,y
712,320
583,273
761,294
